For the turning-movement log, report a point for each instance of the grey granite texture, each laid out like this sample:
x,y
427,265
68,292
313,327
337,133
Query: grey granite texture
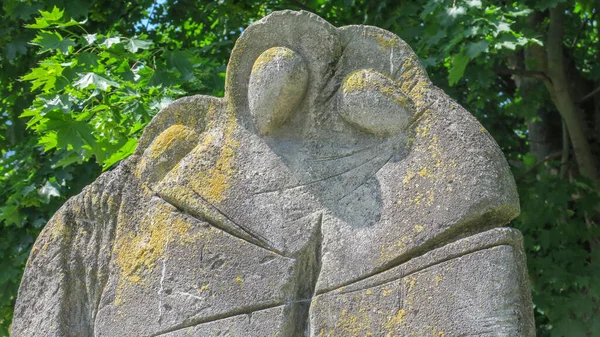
x,y
334,191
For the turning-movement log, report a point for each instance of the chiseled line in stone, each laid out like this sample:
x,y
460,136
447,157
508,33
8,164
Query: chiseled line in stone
x,y
346,155
305,216
231,314
416,118
261,240
251,239
367,178
287,188
507,239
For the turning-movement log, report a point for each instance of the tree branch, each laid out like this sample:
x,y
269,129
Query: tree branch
x,y
583,24
590,95
551,156
524,73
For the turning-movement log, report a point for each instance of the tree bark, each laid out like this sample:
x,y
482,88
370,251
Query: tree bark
x,y
562,96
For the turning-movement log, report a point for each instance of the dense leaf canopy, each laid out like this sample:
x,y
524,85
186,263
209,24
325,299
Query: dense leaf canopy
x,y
79,80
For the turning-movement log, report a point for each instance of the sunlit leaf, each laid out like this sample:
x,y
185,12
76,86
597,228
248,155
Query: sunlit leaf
x,y
69,23
454,12
40,23
44,76
49,190
54,15
90,38
49,141
110,41
91,79
134,44
473,3
502,27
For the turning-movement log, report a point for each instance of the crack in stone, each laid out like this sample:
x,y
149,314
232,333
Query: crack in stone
x,y
409,273
312,270
455,252
196,322
162,277
231,314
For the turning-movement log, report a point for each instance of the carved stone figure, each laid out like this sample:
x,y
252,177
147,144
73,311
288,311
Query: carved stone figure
x,y
334,191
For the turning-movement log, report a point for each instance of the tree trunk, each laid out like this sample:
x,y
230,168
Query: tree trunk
x,y
562,96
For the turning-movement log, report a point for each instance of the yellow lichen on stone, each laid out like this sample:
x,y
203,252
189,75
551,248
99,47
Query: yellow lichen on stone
x,y
409,176
58,229
387,291
422,130
239,280
413,79
394,322
431,168
386,41
168,139
354,82
389,252
360,80
352,324
212,184
411,281
138,252
165,150
272,54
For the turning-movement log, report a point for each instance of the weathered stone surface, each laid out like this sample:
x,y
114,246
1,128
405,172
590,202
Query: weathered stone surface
x,y
277,85
334,191
470,287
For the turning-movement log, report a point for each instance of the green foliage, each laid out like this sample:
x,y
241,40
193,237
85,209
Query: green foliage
x,y
74,104
558,234
80,79
98,91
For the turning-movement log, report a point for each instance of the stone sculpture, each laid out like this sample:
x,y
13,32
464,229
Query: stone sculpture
x,y
334,191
